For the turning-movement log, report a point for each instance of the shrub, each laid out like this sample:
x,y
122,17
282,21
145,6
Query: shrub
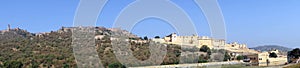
x,y
145,38
203,59
240,57
204,48
295,53
226,56
66,65
116,65
156,37
13,64
273,55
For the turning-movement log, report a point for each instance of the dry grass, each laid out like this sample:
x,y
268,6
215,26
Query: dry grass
x,y
293,66
239,66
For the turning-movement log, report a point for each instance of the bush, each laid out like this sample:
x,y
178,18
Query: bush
x,y
295,53
202,59
205,48
273,55
157,37
240,57
66,65
116,65
145,38
226,56
13,64
34,65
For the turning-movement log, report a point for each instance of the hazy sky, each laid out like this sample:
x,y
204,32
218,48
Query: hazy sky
x,y
253,22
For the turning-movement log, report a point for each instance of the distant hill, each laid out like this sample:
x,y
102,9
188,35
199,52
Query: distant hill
x,y
270,47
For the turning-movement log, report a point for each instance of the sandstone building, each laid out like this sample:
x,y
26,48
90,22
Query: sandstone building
x,y
264,59
193,40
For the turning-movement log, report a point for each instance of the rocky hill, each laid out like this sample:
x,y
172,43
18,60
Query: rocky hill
x,y
22,49
282,49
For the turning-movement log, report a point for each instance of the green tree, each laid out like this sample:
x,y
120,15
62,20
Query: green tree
x,y
156,37
240,57
273,55
50,58
34,64
66,65
226,56
13,64
205,48
295,53
116,65
145,38
202,59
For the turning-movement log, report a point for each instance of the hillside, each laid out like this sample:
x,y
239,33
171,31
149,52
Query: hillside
x,y
282,49
22,49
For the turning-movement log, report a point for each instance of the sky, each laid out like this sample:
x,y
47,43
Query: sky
x,y
253,22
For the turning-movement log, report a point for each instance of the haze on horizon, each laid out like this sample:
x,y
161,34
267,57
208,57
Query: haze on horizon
x,y
254,22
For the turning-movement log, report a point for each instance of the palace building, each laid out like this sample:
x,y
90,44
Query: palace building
x,y
193,40
200,41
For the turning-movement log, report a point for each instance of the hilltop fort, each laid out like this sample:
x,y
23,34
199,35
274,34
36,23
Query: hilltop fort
x,y
52,49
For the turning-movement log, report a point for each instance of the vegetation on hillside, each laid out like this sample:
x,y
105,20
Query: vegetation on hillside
x,y
20,48
294,55
23,49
